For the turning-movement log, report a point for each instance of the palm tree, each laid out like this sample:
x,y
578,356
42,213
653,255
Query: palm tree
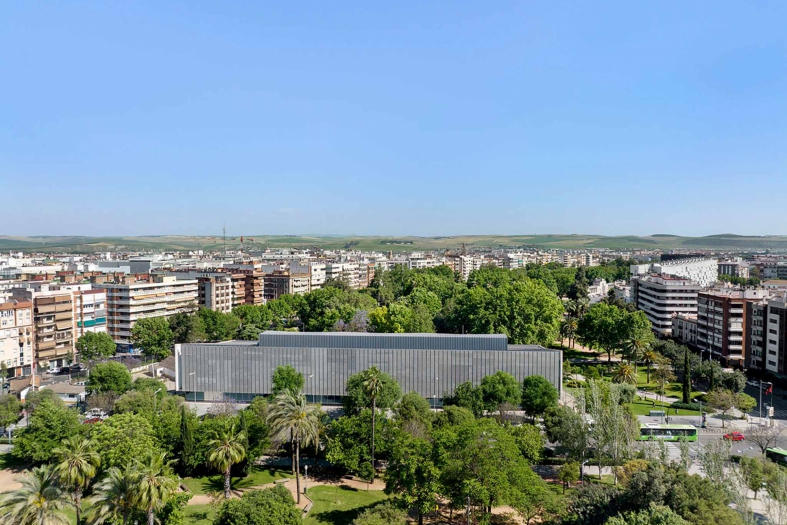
x,y
569,329
39,501
154,484
373,385
290,415
75,466
114,498
650,356
227,449
634,348
625,373
572,308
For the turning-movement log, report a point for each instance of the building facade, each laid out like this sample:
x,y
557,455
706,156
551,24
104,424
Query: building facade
x,y
16,337
132,300
684,328
722,326
430,364
90,312
281,282
661,297
215,291
767,345
53,325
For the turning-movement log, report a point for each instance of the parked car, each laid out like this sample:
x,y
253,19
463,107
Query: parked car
x,y
753,382
735,436
55,370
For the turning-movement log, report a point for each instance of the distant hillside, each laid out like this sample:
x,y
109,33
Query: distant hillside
x,y
78,244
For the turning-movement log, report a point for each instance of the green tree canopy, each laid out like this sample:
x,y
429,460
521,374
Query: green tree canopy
x,y
500,388
286,377
50,423
123,438
357,397
109,377
94,345
154,336
538,394
10,407
187,328
273,506
218,326
467,396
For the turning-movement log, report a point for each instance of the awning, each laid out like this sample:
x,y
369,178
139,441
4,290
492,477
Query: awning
x,y
63,325
47,309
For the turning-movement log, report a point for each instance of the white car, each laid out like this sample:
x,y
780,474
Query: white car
x,y
54,371
753,382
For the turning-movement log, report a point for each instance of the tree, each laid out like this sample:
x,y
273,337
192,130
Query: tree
x,y
154,336
9,410
635,347
373,386
650,356
114,498
663,374
349,439
154,484
745,403
764,437
568,429
753,473
272,506
467,396
218,326
579,288
568,330
286,377
568,474
357,397
686,377
600,328
625,373
499,388
538,394
290,416
50,423
412,476
122,438
256,416
39,501
109,377
187,328
186,438
413,409
537,502
721,400
226,450
95,345
529,440
735,381
452,415
654,515
75,466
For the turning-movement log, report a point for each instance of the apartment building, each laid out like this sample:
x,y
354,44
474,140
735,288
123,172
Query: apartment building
x,y
661,297
90,312
684,328
155,296
704,272
16,337
722,327
281,282
347,271
767,344
53,325
734,268
216,291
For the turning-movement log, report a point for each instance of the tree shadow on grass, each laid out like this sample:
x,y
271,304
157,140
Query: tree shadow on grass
x,y
341,517
9,462
216,483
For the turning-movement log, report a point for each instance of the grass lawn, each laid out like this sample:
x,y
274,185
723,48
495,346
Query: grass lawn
x,y
572,353
199,515
257,476
673,389
643,408
339,505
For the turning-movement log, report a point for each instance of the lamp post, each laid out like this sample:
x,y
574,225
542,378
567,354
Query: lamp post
x,y
305,478
155,400
193,387
582,471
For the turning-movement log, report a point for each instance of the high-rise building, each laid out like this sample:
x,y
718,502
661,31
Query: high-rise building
x,y
661,297
281,282
722,325
156,296
704,272
16,336
53,323
90,312
767,344
216,291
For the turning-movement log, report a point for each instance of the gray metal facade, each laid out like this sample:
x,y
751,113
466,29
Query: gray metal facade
x,y
429,364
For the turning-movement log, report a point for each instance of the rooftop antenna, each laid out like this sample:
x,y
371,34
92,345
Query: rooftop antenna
x,y
224,233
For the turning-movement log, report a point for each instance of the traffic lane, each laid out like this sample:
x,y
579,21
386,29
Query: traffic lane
x,y
776,399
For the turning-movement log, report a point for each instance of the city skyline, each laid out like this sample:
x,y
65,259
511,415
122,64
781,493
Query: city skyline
x,y
618,119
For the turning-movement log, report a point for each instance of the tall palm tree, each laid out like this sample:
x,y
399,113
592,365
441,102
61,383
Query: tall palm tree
x,y
572,308
154,484
634,348
39,501
114,497
569,330
290,415
75,466
227,448
650,356
625,373
373,386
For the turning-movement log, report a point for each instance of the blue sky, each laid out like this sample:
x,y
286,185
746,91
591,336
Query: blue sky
x,y
398,118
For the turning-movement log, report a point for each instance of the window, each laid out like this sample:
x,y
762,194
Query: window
x,y
772,363
772,331
771,341
773,321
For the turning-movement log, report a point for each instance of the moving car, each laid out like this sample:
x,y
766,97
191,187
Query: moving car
x,y
734,436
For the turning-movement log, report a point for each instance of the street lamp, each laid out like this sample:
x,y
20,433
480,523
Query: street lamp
x,y
582,471
305,478
155,399
193,387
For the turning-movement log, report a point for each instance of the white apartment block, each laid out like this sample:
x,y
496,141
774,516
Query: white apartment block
x,y
704,272
90,312
216,291
348,271
661,297
684,328
598,290
162,296
16,336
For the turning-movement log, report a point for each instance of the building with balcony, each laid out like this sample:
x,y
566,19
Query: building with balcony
x,y
90,312
722,325
16,336
281,282
53,325
702,271
684,328
157,296
215,291
767,344
661,297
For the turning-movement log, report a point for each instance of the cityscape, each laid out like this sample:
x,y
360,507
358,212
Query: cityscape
x,y
417,263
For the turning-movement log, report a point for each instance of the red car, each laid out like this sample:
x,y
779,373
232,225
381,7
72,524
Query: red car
x,y
735,436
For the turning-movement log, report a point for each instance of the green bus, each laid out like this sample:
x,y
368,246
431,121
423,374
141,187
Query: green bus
x,y
777,455
667,432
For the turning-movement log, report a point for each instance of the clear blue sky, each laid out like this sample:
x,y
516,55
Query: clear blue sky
x,y
394,118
